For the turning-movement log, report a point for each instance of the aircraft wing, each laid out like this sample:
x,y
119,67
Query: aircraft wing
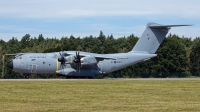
x,y
105,57
12,54
97,56
16,54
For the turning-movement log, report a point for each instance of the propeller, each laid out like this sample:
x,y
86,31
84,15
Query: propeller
x,y
62,59
77,60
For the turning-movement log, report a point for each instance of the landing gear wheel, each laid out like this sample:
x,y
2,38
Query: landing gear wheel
x,y
26,76
90,77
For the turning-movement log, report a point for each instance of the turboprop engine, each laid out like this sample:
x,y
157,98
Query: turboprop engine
x,y
88,60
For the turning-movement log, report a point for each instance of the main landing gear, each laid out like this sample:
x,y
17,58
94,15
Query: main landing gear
x,y
26,76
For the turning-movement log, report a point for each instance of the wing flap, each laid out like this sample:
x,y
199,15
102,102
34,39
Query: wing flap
x,y
105,57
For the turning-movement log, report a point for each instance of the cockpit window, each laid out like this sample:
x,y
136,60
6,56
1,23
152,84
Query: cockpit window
x,y
18,56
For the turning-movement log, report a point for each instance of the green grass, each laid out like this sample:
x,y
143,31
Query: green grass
x,y
100,95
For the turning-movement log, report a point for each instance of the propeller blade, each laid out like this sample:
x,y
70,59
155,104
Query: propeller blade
x,y
77,60
62,60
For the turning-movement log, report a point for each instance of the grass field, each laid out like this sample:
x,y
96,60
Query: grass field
x,y
100,95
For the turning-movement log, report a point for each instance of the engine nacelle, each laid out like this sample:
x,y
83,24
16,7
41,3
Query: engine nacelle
x,y
88,60
69,59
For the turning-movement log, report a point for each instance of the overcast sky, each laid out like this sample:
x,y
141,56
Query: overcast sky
x,y
58,18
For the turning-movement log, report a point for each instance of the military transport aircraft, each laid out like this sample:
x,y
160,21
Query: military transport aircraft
x,y
75,63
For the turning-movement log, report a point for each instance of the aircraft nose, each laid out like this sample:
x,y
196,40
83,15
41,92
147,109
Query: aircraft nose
x,y
10,64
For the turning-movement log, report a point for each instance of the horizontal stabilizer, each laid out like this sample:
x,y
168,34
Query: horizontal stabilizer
x,y
165,26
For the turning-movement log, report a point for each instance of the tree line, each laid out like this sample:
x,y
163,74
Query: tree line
x,y
176,56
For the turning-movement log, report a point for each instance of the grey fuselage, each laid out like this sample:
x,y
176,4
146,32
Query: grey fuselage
x,y
47,63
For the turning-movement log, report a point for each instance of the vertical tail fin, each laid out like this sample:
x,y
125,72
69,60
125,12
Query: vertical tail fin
x,y
152,37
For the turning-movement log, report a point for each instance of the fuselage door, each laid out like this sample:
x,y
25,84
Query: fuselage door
x,y
100,66
34,68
